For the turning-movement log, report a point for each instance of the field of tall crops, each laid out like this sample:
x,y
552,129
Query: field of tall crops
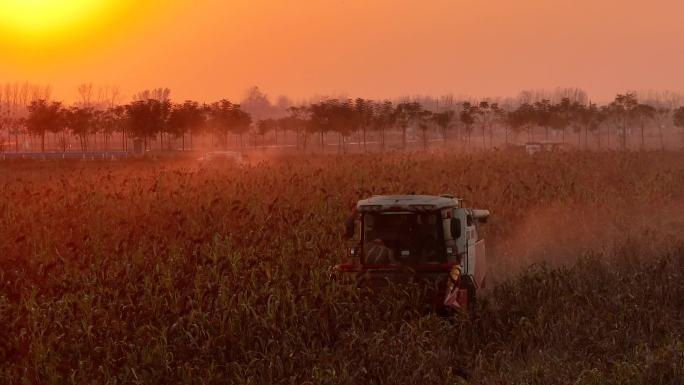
x,y
152,272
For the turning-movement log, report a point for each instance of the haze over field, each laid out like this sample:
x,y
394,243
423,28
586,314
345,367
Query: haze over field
x,y
210,49
341,192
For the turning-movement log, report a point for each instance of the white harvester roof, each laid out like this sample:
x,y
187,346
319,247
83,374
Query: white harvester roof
x,y
407,202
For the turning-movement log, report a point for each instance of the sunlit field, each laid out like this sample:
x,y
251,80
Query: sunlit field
x,y
180,272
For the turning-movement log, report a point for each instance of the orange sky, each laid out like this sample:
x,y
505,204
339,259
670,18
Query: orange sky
x,y
209,49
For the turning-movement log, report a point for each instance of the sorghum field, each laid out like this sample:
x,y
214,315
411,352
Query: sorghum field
x,y
173,272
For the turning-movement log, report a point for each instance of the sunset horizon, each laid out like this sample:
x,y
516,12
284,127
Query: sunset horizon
x,y
344,192
210,50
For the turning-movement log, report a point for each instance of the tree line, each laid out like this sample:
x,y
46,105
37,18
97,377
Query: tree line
x,y
153,116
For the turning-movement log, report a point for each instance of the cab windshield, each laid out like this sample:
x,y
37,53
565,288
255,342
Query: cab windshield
x,y
403,237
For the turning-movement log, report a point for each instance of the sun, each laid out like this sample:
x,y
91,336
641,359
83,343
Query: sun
x,y
46,20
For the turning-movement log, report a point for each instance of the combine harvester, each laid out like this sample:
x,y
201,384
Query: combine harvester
x,y
419,238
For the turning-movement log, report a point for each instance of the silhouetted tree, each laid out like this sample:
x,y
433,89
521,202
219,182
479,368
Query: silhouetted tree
x,y
331,116
297,121
364,110
678,117
240,121
621,113
256,103
118,119
265,126
590,118
80,121
661,116
543,115
345,119
484,113
43,117
563,115
146,118
318,121
186,118
467,117
423,120
106,120
522,118
158,94
227,117
408,113
643,113
384,117
443,121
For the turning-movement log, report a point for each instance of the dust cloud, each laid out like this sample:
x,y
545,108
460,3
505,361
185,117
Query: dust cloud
x,y
559,234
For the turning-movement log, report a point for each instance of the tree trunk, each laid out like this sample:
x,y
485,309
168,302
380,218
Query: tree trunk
x,y
484,137
579,139
403,137
297,138
365,149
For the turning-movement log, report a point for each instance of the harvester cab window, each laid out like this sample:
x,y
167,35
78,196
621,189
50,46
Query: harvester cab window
x,y
455,228
403,237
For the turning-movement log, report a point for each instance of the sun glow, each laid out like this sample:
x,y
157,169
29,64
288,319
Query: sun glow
x,y
40,23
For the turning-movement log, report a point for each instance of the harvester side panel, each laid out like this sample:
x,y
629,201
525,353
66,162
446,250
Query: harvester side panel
x,y
480,262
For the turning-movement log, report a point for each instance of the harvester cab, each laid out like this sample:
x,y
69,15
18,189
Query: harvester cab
x,y
431,239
